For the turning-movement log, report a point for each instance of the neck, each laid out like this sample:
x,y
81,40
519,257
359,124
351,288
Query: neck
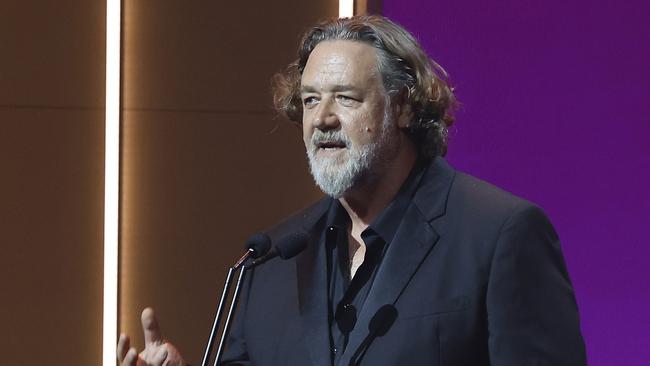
x,y
364,203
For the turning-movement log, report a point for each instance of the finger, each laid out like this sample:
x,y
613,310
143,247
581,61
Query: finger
x,y
123,346
174,357
159,357
152,335
131,358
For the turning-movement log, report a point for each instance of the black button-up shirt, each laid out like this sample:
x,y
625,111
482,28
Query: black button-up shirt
x,y
347,295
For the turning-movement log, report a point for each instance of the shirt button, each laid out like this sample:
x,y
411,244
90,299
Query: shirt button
x,y
334,350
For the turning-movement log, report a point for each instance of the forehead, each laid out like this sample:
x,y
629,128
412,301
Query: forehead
x,y
340,62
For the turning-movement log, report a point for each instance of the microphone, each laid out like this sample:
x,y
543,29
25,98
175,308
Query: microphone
x,y
256,246
287,247
259,243
379,325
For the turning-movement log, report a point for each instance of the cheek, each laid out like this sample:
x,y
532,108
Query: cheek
x,y
363,127
307,131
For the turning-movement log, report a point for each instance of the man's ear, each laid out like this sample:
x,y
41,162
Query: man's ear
x,y
404,115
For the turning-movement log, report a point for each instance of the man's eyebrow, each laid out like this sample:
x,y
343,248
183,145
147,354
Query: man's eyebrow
x,y
336,88
307,89
340,88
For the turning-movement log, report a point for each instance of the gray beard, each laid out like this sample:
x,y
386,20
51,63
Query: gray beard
x,y
361,165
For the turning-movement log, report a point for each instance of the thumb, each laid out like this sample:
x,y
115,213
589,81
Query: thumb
x,y
152,334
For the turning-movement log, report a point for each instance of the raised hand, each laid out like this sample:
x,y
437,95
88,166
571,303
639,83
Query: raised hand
x,y
157,351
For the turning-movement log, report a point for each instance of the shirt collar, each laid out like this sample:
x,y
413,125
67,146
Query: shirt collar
x,y
387,222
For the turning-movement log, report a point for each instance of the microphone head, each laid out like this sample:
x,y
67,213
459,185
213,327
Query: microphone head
x,y
259,243
382,320
292,244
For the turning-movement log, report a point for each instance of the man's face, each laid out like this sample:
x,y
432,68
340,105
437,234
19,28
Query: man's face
x,y
348,127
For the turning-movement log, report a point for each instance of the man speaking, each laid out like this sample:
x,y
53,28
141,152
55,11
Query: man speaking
x,y
409,261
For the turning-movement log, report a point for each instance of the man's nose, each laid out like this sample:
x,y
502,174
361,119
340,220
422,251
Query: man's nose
x,y
326,118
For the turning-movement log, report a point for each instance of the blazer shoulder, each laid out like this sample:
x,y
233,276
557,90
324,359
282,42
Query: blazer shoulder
x,y
446,192
481,195
483,207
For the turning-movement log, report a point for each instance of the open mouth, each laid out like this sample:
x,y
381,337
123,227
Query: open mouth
x,y
331,145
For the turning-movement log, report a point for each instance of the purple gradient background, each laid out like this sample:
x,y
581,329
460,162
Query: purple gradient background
x,y
555,108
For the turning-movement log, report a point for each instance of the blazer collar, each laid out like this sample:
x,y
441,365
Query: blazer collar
x,y
431,197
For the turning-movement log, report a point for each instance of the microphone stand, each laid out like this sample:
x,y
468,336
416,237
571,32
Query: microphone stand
x,y
231,311
220,308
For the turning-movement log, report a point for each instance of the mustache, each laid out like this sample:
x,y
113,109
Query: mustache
x,y
331,136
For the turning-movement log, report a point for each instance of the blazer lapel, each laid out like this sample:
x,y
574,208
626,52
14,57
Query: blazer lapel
x,y
312,288
412,243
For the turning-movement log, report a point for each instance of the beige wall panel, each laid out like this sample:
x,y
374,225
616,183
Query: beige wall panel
x,y
51,189
210,55
195,186
52,53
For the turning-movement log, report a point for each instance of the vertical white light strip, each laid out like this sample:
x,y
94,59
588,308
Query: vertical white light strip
x,y
346,8
111,183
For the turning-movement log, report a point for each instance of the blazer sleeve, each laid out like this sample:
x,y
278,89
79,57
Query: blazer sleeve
x,y
532,312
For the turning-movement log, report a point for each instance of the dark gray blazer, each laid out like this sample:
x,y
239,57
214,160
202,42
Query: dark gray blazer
x,y
474,276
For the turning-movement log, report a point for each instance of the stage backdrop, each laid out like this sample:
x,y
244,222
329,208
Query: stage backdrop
x,y
554,108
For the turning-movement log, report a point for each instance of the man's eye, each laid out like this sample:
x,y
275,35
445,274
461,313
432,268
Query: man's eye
x,y
309,101
346,99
